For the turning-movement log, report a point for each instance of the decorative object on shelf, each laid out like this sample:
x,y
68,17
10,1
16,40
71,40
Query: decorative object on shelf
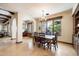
x,y
77,25
78,30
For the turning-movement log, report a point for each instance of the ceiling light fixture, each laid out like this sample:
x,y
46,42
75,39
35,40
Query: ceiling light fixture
x,y
44,15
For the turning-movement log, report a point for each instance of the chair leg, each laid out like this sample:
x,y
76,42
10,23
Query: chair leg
x,y
38,45
34,43
49,46
56,45
42,45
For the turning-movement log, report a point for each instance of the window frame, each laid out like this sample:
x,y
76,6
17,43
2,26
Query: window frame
x,y
53,19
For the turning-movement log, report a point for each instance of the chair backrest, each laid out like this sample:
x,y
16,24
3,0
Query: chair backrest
x,y
42,34
36,38
35,34
48,32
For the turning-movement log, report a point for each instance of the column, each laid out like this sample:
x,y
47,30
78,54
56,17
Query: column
x,y
11,28
19,27
10,23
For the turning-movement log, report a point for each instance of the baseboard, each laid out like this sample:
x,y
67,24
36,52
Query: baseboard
x,y
65,42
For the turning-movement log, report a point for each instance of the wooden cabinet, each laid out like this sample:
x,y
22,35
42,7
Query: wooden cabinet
x,y
76,20
76,44
76,29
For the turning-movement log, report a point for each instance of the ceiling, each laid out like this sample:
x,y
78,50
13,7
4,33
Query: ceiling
x,y
34,10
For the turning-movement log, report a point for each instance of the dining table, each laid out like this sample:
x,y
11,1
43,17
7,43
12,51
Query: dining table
x,y
47,39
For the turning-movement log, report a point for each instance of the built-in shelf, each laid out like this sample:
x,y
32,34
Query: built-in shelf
x,y
76,29
77,17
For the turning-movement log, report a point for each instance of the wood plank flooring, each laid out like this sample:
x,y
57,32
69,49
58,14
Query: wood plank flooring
x,y
9,47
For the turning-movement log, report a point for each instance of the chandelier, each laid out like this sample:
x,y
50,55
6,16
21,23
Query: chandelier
x,y
44,15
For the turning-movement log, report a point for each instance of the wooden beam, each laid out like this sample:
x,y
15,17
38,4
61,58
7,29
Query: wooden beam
x,y
3,18
6,22
6,15
7,11
58,17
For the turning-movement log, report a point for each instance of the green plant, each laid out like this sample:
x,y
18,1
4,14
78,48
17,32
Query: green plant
x,y
56,27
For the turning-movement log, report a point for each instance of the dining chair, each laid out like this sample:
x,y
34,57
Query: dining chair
x,y
42,39
35,34
37,41
42,34
55,41
43,42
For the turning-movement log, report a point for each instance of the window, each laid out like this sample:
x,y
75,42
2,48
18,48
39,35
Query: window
x,y
49,28
57,26
43,26
30,27
52,25
24,26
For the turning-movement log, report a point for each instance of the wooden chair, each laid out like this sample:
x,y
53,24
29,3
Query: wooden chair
x,y
34,37
53,42
42,34
42,39
37,41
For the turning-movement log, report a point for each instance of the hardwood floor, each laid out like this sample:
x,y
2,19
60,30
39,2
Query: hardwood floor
x,y
9,47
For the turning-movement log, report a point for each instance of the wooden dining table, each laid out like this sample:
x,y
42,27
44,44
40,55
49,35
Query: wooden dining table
x,y
47,38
